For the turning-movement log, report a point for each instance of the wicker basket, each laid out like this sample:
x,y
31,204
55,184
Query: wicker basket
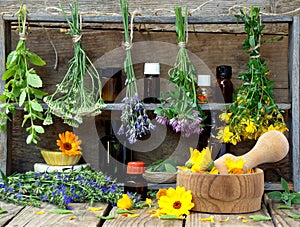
x,y
160,177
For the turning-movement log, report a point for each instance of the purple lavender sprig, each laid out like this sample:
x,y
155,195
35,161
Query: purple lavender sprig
x,y
135,121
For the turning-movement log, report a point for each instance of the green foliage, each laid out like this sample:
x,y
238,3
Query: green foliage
x,y
22,83
260,218
167,165
287,197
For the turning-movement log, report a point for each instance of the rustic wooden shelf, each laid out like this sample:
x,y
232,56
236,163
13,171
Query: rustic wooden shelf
x,y
7,20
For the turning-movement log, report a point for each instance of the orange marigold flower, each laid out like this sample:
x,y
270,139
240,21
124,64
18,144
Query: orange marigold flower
x,y
161,192
69,143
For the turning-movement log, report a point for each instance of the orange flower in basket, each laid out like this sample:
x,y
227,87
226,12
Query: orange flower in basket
x,y
69,143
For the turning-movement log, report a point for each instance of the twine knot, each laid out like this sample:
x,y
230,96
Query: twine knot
x,y
76,38
127,45
182,44
22,36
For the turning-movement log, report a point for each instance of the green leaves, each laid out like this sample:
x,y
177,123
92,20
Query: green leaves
x,y
61,211
111,216
260,218
287,197
22,84
2,211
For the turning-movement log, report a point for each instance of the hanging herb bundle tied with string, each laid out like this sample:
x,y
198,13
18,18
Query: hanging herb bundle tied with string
x,y
182,111
253,111
79,92
23,83
135,121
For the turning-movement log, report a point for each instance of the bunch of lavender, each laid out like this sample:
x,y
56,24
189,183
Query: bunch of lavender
x,y
79,93
135,121
183,113
60,188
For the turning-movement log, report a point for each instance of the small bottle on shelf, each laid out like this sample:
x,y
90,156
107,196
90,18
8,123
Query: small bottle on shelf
x,y
223,74
135,182
151,83
203,89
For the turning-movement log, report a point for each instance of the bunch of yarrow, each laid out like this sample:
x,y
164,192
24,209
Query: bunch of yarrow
x,y
253,111
180,109
79,92
59,188
135,121
22,84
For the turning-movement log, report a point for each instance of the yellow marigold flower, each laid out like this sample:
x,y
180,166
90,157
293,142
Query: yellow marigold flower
x,y
125,202
210,219
161,192
69,143
203,162
177,202
194,154
235,166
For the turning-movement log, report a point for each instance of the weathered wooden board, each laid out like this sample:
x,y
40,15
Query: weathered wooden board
x,y
193,220
144,219
12,211
83,217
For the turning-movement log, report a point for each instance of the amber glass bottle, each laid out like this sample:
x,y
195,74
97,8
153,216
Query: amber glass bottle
x,y
151,83
223,74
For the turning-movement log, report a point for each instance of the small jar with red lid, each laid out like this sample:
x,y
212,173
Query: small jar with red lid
x,y
135,182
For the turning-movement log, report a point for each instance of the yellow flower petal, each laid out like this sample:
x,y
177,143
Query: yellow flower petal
x,y
39,212
148,202
72,217
224,220
241,217
210,219
94,208
245,220
133,215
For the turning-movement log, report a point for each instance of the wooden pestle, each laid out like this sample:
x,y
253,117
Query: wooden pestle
x,y
272,146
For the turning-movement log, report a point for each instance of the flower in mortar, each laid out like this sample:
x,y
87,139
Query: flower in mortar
x,y
69,143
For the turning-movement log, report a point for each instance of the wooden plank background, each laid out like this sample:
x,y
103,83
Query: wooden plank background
x,y
207,44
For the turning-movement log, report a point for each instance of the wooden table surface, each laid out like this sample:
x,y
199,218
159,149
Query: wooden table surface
x,y
18,216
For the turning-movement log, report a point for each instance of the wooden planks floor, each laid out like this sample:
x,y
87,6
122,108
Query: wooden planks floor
x,y
19,216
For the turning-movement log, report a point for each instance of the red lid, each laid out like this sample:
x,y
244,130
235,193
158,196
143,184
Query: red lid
x,y
136,167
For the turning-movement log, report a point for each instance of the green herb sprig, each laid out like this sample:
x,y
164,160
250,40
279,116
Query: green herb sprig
x,y
287,197
253,111
79,93
23,83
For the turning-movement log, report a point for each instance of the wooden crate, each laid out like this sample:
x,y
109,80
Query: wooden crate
x,y
211,47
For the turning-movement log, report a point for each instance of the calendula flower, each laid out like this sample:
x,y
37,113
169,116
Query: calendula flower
x,y
235,166
176,202
203,162
161,192
194,154
125,202
69,143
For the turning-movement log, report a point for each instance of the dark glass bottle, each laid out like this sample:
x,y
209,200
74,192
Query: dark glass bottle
x,y
111,80
135,182
223,74
115,155
151,83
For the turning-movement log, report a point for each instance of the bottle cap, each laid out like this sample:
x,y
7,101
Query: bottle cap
x,y
224,71
203,80
135,167
151,69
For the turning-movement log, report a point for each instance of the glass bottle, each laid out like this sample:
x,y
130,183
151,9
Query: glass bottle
x,y
223,74
111,79
151,83
203,89
135,182
115,155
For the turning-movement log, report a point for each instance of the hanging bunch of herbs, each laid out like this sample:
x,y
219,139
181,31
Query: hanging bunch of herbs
x,y
79,93
182,113
253,111
23,83
135,121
